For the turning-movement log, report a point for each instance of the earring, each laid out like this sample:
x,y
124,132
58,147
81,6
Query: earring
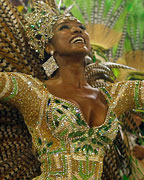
x,y
50,65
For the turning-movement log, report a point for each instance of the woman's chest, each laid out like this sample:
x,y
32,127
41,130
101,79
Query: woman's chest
x,y
92,107
64,123
90,102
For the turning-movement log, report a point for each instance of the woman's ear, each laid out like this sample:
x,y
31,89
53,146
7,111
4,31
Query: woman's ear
x,y
49,48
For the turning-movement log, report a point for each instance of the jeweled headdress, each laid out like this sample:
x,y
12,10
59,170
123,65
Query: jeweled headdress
x,y
40,23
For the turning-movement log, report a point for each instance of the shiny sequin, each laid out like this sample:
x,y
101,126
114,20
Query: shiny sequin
x,y
67,147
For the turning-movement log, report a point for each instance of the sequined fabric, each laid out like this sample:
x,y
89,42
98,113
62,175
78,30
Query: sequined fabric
x,y
68,148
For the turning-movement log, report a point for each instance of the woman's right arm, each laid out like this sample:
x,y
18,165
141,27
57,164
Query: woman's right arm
x,y
24,92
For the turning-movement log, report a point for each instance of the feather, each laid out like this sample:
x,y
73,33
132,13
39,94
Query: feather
x,y
14,48
95,72
94,13
115,16
97,84
82,11
68,9
109,54
115,65
59,4
100,13
97,66
102,36
132,37
137,42
109,14
120,48
17,160
135,56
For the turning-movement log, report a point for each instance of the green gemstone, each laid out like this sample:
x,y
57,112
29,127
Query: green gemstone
x,y
87,148
90,132
105,139
44,150
75,134
55,118
78,115
63,133
77,149
84,148
110,121
39,141
96,151
47,119
56,123
43,12
48,102
90,148
112,113
94,141
99,143
83,123
60,111
32,26
57,101
75,140
39,153
79,122
39,25
71,135
83,139
107,93
106,128
65,107
49,144
79,133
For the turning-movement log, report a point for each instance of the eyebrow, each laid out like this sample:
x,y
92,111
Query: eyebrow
x,y
65,23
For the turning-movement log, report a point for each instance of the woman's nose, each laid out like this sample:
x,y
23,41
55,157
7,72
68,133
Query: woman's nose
x,y
76,30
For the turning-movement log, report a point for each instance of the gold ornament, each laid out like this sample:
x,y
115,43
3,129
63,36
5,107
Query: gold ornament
x,y
40,22
50,65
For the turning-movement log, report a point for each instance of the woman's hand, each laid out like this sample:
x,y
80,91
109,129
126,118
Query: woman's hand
x,y
138,152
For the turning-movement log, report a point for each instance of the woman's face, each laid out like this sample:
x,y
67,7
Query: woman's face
x,y
70,37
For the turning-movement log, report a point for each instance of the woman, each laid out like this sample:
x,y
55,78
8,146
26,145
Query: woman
x,y
70,122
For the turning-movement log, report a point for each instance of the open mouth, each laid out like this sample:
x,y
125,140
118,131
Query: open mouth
x,y
77,40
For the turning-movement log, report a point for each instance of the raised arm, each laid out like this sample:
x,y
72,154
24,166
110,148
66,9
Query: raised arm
x,y
24,92
127,95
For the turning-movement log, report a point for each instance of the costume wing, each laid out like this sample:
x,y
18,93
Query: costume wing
x,y
15,53
17,158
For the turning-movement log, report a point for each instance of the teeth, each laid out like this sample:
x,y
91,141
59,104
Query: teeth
x,y
77,40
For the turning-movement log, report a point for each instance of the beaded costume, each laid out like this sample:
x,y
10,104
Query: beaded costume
x,y
68,148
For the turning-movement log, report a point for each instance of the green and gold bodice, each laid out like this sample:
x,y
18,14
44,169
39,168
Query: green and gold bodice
x,y
68,148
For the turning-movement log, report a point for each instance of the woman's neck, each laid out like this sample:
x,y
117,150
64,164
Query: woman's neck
x,y
71,72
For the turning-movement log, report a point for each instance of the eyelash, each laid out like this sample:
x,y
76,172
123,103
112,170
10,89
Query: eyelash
x,y
67,27
82,27
63,27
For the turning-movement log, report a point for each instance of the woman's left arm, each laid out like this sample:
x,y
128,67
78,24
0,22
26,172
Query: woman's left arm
x,y
127,95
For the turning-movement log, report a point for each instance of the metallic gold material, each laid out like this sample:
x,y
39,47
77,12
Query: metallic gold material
x,y
50,66
67,146
39,26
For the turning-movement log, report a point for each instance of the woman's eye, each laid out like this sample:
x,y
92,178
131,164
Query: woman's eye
x,y
82,27
64,27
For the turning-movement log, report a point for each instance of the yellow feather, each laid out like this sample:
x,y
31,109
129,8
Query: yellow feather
x,y
102,36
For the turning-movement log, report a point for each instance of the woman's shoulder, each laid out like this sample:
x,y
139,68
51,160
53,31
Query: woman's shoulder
x,y
26,80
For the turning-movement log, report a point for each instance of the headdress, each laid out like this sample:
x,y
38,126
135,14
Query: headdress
x,y
40,22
